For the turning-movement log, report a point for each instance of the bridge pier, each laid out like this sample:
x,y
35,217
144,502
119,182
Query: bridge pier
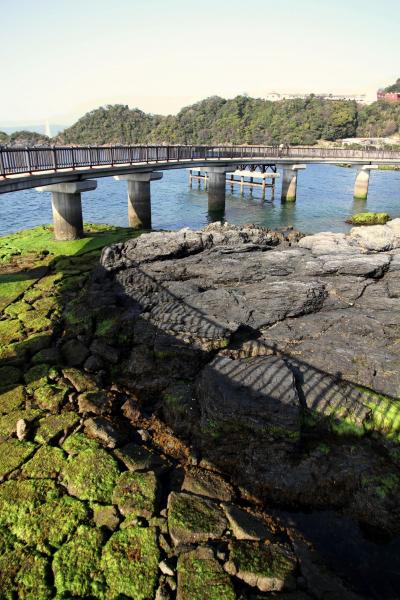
x,y
361,184
289,182
139,197
67,207
216,188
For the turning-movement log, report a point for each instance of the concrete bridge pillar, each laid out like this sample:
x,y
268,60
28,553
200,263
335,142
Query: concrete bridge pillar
x,y
139,198
289,182
67,207
216,188
362,182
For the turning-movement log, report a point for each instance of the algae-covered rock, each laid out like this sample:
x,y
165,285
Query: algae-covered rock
x,y
200,576
94,402
49,428
48,525
10,331
8,422
192,519
50,397
36,377
11,399
80,381
130,563
135,493
369,218
36,321
91,475
76,565
17,308
46,463
12,454
78,442
9,375
20,497
23,573
270,567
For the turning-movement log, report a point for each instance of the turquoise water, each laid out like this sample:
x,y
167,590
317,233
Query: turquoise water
x,y
324,201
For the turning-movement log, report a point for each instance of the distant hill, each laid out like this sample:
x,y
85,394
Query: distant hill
x,y
24,138
215,120
395,87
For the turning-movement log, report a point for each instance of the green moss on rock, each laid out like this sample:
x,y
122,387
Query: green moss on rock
x,y
136,493
270,567
76,565
11,399
369,218
36,377
192,519
50,397
17,308
10,331
8,423
49,428
46,464
130,563
9,376
78,442
18,497
91,475
13,453
200,576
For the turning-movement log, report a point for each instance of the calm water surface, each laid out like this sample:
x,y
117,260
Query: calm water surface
x,y
324,201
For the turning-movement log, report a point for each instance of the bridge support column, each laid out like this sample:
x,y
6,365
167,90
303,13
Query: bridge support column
x,y
289,182
216,188
67,208
139,198
361,184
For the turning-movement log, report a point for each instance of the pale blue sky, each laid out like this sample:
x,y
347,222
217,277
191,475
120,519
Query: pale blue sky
x,y
60,58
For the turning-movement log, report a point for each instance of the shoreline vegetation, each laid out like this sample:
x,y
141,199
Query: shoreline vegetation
x,y
215,120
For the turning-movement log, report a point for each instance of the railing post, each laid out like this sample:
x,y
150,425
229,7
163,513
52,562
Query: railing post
x,y
54,158
112,156
167,153
157,154
2,168
178,157
28,156
73,158
147,154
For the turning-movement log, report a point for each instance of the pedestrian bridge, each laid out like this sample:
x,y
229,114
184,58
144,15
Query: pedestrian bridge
x,y
68,171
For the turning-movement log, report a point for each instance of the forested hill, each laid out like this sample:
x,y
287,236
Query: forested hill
x,y
240,120
237,121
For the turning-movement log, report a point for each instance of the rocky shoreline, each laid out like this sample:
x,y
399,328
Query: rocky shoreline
x,y
161,412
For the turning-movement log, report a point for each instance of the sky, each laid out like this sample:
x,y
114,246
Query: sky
x,y
63,58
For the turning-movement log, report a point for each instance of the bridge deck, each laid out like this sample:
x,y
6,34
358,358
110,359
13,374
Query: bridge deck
x,y
24,168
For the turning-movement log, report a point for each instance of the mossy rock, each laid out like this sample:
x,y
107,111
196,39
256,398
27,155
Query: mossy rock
x,y
13,354
34,343
33,294
46,463
47,305
139,458
51,356
369,218
9,375
270,567
105,516
36,377
11,399
14,453
10,331
17,308
80,380
50,397
192,519
49,282
91,475
37,322
136,493
8,422
76,566
54,426
18,497
130,563
23,573
201,576
78,442
50,524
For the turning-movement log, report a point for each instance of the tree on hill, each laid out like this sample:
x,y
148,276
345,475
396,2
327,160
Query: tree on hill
x,y
395,87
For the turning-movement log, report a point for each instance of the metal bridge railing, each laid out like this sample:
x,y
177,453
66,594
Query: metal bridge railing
x,y
14,161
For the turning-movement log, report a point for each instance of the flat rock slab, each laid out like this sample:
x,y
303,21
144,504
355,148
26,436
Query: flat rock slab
x,y
206,483
192,519
201,576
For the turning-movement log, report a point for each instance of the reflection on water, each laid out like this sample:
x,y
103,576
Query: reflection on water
x,y
324,202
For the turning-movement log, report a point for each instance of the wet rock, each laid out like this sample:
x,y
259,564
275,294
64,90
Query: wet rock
x,y
270,567
244,525
74,352
136,493
192,519
104,431
106,516
207,483
105,351
139,458
200,576
130,563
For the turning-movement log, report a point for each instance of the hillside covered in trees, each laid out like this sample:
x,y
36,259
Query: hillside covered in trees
x,y
241,120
